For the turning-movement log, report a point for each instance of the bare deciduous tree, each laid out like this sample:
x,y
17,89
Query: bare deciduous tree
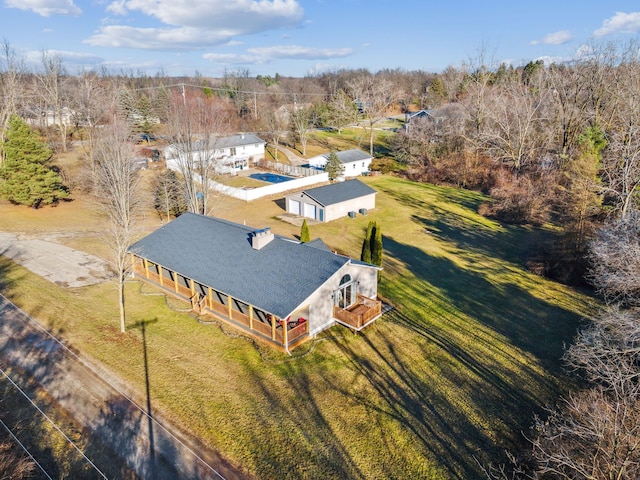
x,y
93,100
12,72
341,111
514,119
195,125
301,118
375,96
52,91
615,256
596,432
274,128
117,188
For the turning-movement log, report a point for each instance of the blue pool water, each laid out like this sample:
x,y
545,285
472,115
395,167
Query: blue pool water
x,y
270,177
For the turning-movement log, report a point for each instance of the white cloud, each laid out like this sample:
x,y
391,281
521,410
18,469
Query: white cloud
x,y
46,8
620,23
267,54
295,51
229,58
158,38
555,38
190,24
71,60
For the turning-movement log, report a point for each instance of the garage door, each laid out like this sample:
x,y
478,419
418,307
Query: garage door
x,y
294,207
309,210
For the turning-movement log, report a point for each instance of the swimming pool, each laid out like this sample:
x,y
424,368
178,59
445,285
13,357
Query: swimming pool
x,y
270,177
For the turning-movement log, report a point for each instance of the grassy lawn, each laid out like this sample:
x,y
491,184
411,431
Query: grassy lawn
x,y
449,378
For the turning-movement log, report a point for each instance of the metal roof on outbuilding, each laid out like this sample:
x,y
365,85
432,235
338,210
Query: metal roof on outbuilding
x,y
218,253
339,192
348,156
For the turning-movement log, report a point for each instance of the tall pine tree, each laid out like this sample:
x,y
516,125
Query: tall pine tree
x,y
25,178
334,167
365,256
376,245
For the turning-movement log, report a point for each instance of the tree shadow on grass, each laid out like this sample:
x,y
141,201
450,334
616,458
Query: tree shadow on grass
x,y
530,323
311,449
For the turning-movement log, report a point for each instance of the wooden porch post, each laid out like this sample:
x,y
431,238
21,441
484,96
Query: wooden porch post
x,y
229,306
146,268
192,287
160,272
284,333
250,317
273,327
210,297
175,282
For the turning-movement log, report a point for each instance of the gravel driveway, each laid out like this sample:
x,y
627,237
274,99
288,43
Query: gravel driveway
x,y
61,265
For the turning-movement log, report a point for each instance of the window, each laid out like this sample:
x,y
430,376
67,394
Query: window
x,y
345,295
232,151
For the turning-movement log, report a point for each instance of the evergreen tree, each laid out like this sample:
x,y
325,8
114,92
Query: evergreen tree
x,y
365,256
25,178
334,166
169,200
376,246
305,236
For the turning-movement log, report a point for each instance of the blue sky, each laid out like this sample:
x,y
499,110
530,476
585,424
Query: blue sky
x,y
301,37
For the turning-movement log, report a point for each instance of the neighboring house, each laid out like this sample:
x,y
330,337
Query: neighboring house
x,y
273,288
418,116
231,153
284,112
49,118
355,161
332,201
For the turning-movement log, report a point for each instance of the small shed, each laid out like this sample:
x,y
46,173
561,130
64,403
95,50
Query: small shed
x,y
333,201
355,161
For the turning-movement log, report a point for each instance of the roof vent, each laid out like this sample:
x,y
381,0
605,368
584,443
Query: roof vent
x,y
260,238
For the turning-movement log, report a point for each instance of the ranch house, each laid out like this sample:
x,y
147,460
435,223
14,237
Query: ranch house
x,y
271,287
230,154
333,201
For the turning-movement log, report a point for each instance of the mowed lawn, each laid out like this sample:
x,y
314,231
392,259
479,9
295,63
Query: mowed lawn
x,y
446,381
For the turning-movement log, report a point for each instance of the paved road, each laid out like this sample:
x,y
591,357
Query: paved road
x,y
93,400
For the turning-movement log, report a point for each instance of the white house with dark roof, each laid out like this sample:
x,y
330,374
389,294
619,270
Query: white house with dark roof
x,y
333,201
230,153
355,161
272,287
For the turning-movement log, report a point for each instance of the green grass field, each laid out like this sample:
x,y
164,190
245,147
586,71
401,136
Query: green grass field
x,y
448,380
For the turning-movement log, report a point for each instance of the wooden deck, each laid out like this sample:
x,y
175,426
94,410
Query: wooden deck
x,y
360,314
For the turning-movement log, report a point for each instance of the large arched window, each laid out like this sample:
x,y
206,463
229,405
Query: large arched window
x,y
345,295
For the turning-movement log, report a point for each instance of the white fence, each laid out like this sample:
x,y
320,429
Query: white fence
x,y
249,194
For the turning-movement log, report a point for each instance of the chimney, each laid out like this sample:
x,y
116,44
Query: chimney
x,y
260,238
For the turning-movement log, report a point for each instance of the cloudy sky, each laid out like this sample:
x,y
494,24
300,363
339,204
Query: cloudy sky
x,y
301,37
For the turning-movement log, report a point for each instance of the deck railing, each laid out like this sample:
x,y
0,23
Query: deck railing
x,y
358,315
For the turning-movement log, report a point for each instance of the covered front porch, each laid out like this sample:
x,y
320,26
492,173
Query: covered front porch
x,y
285,333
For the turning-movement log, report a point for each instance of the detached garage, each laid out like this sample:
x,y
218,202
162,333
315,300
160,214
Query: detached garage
x,y
332,201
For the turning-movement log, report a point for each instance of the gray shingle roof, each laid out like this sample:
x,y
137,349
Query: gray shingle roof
x,y
236,140
339,192
348,156
218,253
